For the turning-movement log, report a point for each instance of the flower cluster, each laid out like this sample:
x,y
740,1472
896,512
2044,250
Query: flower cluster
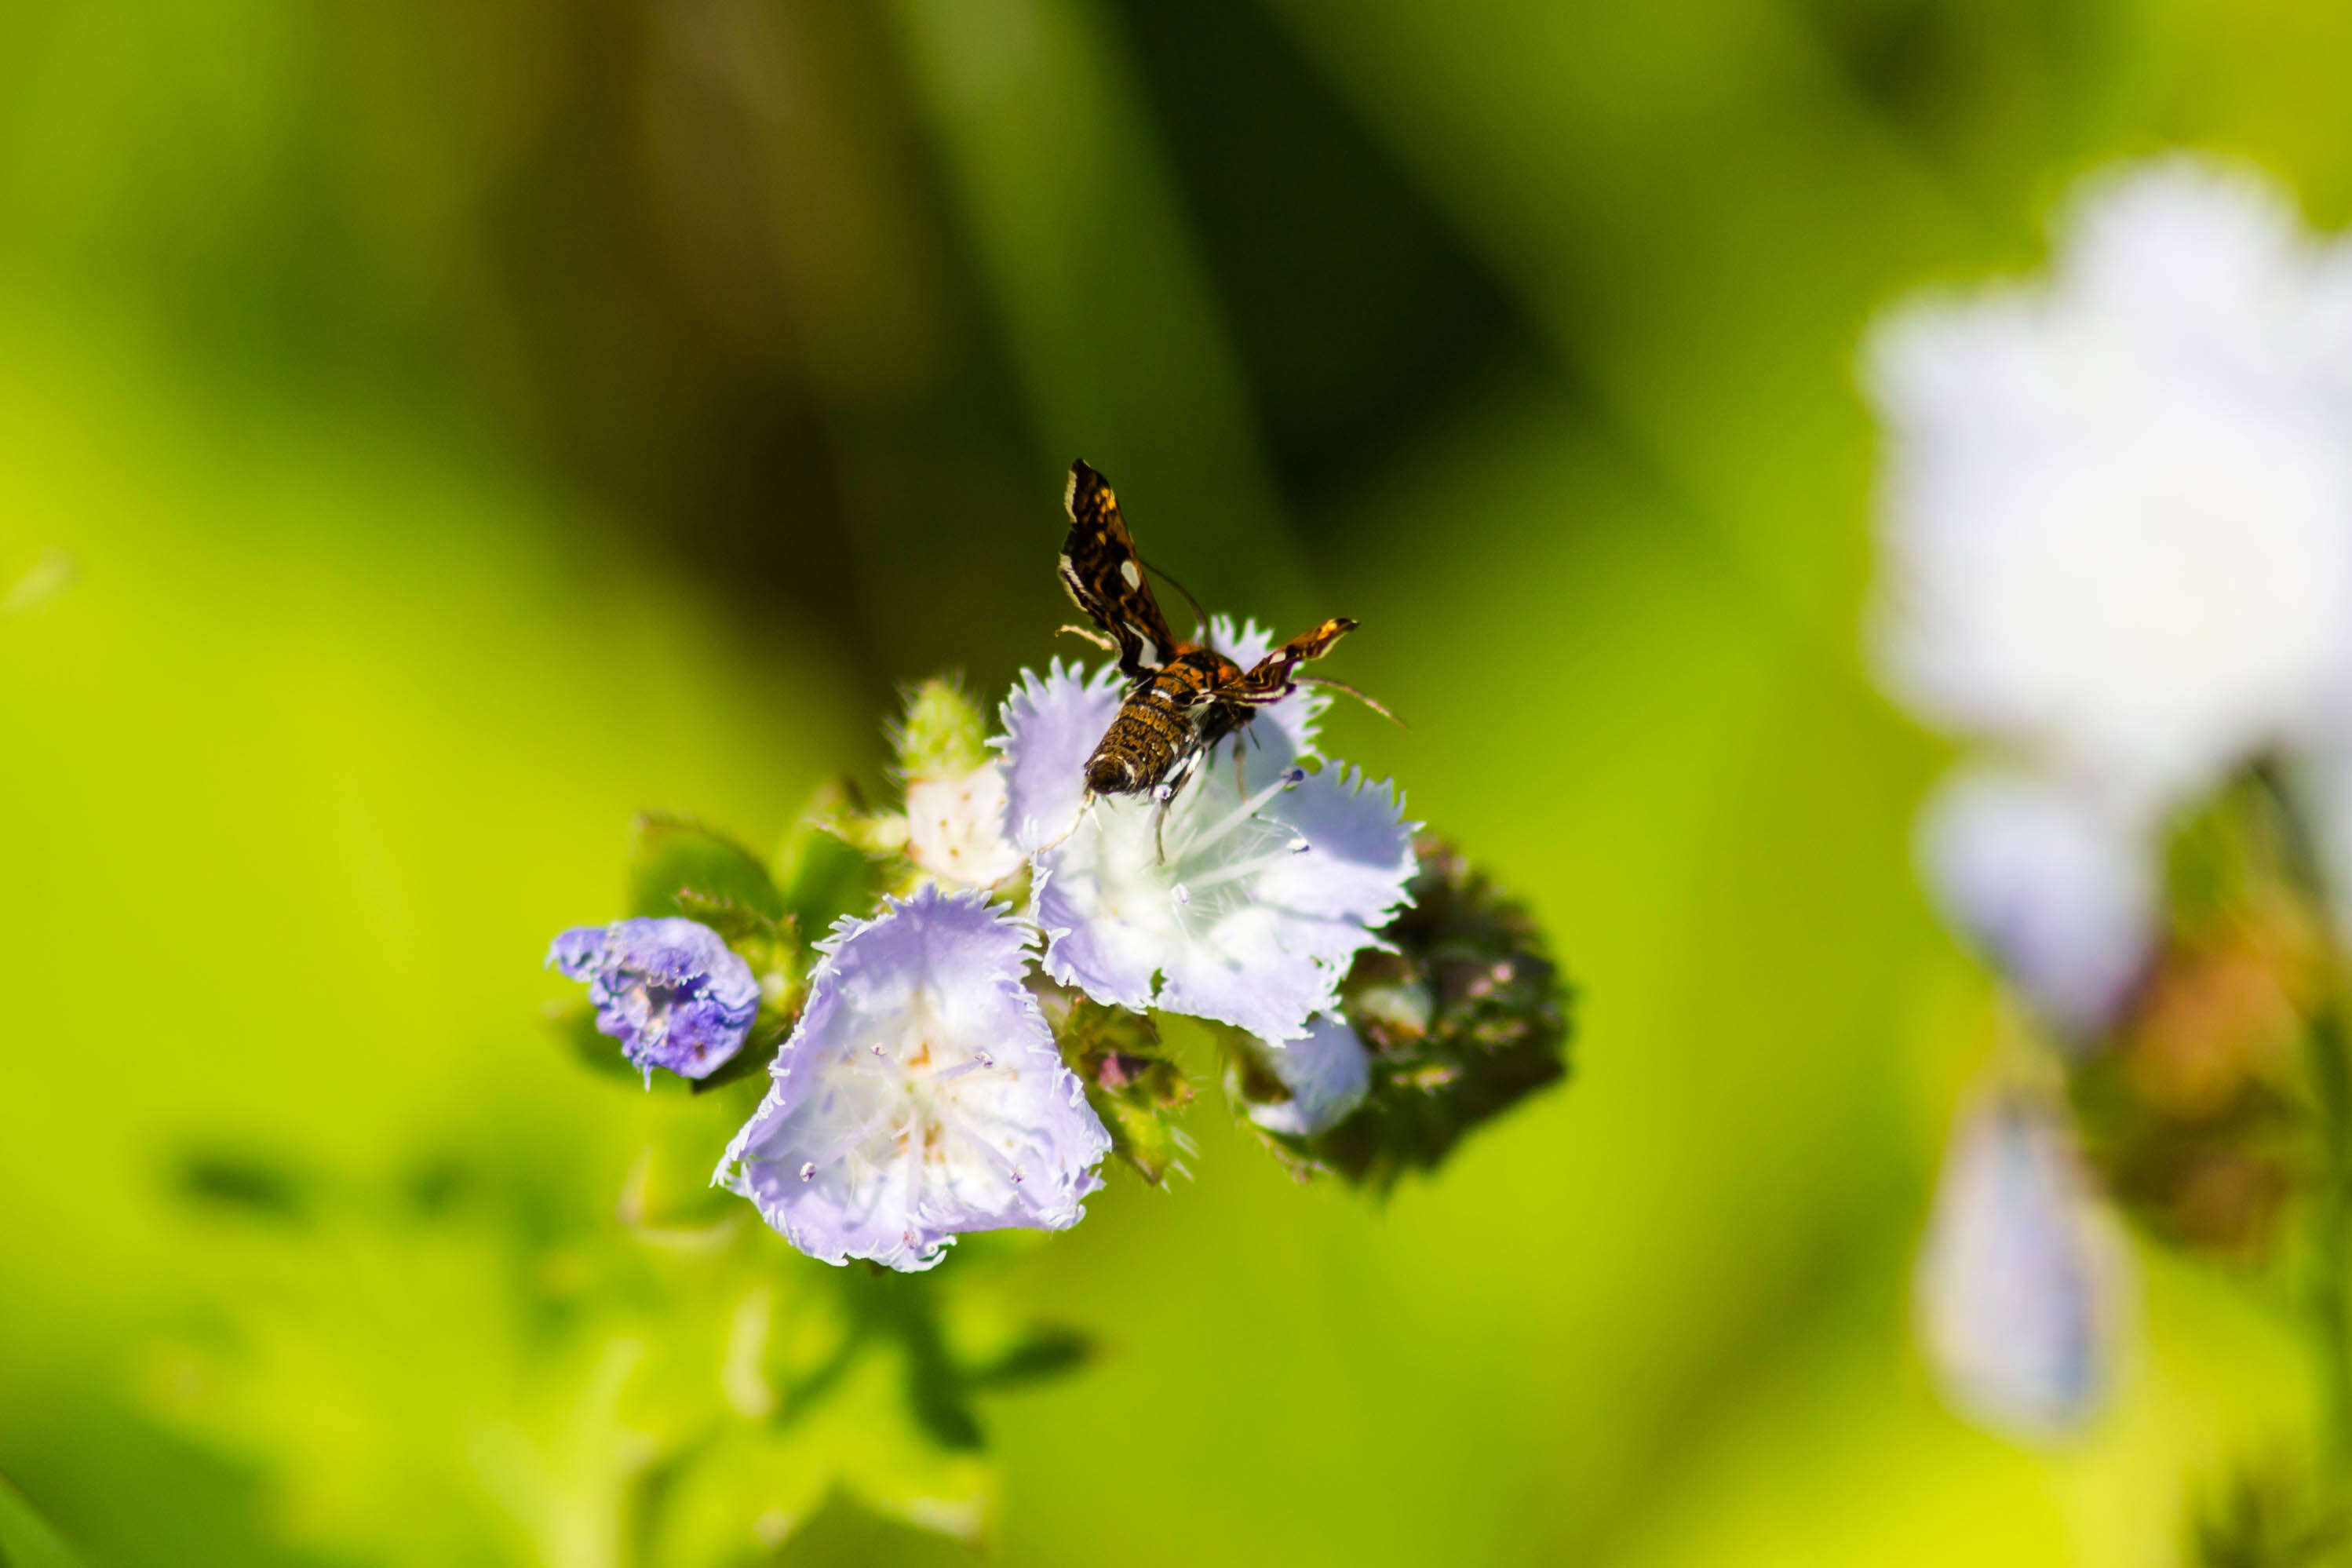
x,y
2117,554
957,1001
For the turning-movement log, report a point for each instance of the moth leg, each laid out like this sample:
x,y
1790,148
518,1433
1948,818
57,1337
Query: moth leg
x,y
1164,795
1090,635
1086,804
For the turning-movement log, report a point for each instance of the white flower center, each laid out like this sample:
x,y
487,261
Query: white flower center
x,y
1175,879
903,1096
955,829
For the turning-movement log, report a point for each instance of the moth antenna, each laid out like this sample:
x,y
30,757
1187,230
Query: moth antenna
x,y
1091,636
1201,613
1343,685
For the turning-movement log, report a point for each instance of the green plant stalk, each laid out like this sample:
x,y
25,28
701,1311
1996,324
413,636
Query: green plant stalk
x,y
2328,1293
2331,1281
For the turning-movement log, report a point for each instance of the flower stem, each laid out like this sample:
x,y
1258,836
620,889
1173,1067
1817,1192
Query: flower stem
x,y
2329,1292
2331,1280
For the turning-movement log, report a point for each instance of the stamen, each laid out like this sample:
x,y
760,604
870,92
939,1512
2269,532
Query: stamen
x,y
842,1145
1242,813
990,1151
1250,867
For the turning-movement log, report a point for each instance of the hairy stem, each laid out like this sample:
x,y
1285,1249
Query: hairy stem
x,y
2331,1280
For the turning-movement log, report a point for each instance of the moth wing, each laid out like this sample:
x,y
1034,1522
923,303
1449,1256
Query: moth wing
x,y
1105,576
1269,680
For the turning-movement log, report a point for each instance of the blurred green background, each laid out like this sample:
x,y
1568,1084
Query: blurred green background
x,y
474,420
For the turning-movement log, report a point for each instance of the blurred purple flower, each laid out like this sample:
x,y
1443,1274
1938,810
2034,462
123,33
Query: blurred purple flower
x,y
2020,1282
1050,727
671,991
2060,895
921,1095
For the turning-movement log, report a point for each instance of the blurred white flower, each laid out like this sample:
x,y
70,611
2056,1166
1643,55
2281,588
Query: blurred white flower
x,y
2117,512
2020,1282
2058,895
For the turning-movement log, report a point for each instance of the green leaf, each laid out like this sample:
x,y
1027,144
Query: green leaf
x,y
2271,1516
824,875
575,1027
677,854
26,1539
740,925
1047,1352
252,1185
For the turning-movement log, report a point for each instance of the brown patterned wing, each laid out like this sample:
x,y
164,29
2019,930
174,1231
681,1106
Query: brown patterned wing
x,y
1269,679
1105,576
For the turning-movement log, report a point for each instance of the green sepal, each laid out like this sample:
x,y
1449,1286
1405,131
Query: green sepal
x,y
773,948
943,734
677,855
1131,1080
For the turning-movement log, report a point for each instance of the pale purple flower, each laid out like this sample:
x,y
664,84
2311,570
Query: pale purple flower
x,y
2020,1282
1272,877
2117,513
1051,727
1049,721
671,991
921,1095
2059,894
1327,1072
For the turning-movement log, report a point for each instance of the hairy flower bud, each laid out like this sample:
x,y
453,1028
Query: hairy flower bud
x,y
1462,1015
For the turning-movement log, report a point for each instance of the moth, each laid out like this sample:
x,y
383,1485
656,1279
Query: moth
x,y
1183,700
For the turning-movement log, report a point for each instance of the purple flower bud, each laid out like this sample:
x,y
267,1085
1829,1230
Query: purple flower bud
x,y
670,991
2020,1284
2059,894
